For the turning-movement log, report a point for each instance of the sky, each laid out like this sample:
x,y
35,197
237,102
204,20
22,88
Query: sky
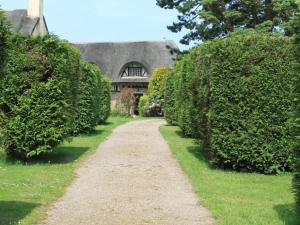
x,y
106,20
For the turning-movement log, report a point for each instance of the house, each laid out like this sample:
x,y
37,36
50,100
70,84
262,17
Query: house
x,y
127,64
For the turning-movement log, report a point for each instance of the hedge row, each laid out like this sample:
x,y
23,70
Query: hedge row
x,y
46,94
237,99
88,104
105,97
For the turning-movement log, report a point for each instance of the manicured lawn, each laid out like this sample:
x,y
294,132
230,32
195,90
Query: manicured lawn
x,y
27,189
234,198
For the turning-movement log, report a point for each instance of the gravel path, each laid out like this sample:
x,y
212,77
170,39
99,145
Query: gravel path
x,y
131,180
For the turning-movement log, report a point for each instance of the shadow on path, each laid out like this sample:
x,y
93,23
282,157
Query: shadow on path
x,y
12,212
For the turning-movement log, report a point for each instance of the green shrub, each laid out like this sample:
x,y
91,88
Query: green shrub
x,y
152,105
4,33
236,94
158,82
38,94
169,103
105,99
187,90
119,113
249,80
88,104
142,104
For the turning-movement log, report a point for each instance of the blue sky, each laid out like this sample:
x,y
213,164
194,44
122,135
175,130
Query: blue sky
x,y
105,20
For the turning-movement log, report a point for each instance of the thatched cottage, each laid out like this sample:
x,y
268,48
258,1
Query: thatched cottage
x,y
127,64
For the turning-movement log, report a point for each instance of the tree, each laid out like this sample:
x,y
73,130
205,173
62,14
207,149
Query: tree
x,y
210,19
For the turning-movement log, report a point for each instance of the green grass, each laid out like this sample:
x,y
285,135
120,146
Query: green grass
x,y
26,190
234,198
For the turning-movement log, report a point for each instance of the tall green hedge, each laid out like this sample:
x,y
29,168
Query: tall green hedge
x,y
186,93
4,33
88,105
105,97
169,96
236,95
38,94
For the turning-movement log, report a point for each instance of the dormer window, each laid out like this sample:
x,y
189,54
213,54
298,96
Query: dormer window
x,y
134,70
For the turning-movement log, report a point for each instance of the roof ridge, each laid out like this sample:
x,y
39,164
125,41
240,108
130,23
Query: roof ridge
x,y
123,42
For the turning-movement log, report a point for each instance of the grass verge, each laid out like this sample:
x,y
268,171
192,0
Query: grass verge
x,y
27,189
233,198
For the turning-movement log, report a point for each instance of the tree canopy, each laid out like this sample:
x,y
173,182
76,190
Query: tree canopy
x,y
210,19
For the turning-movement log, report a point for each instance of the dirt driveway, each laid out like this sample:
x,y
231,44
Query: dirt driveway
x,y
131,180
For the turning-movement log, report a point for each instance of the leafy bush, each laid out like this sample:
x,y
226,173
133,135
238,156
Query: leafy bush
x,y
158,82
119,113
237,97
152,105
88,104
105,97
142,104
38,94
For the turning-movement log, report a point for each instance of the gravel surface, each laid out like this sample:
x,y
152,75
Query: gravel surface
x,y
132,179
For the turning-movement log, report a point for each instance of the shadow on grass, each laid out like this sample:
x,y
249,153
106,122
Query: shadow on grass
x,y
11,212
197,151
60,155
199,154
287,214
106,123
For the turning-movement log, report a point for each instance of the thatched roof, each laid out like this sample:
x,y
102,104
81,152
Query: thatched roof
x,y
112,57
21,23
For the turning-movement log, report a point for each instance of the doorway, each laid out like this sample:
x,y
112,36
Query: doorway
x,y
137,97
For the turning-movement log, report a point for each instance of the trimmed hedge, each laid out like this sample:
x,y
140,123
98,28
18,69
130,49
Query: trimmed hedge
x,y
4,33
105,97
169,104
38,94
237,98
88,105
187,104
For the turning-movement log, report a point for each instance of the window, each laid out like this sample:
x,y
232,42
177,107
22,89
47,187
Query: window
x,y
134,70
116,88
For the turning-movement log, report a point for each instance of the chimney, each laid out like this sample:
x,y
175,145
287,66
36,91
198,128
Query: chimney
x,y
36,9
